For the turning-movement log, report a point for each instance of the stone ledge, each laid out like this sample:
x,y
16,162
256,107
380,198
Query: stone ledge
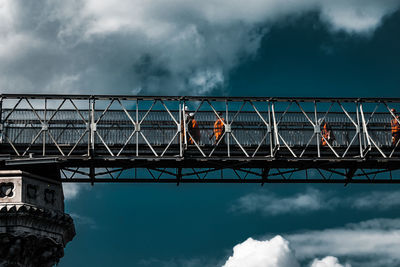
x,y
43,222
19,173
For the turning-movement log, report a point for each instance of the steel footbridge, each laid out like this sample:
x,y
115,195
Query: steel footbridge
x,y
99,138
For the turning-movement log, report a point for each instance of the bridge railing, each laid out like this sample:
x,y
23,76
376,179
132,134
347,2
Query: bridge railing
x,y
126,126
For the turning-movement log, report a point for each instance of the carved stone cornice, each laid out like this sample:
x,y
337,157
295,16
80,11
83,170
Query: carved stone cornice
x,y
24,217
33,237
33,226
27,250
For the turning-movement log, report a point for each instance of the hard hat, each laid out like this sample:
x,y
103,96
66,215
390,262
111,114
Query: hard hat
x,y
191,114
393,110
186,108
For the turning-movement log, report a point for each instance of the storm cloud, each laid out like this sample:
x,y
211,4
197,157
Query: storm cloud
x,y
152,47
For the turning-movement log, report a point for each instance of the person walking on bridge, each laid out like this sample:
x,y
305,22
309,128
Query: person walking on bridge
x,y
193,130
219,129
327,135
395,125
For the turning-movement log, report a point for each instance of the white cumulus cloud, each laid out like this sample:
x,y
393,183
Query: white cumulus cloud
x,y
328,261
275,252
269,253
374,242
370,243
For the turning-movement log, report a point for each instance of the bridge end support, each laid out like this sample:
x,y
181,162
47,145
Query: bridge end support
x,y
349,175
264,175
33,226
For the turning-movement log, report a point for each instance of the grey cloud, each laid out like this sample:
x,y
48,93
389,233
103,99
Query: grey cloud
x,y
378,223
367,243
270,204
171,47
72,190
371,243
84,220
179,262
376,200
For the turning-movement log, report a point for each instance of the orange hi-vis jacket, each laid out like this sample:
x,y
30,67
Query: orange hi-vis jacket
x,y
325,133
395,126
194,131
395,130
219,128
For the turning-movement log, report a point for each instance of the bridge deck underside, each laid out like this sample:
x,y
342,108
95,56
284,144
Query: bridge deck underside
x,y
192,152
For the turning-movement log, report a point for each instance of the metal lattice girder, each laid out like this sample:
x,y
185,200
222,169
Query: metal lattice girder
x,y
229,175
276,133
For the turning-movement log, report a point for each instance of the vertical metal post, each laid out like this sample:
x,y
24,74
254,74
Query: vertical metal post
x,y
270,129
1,120
45,130
227,134
137,123
92,172
92,126
184,124
178,175
317,125
88,127
180,130
359,129
264,175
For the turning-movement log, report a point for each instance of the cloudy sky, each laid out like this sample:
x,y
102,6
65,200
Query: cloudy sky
x,y
209,47
185,46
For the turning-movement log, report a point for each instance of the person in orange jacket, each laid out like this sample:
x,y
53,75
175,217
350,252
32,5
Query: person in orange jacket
x,y
394,123
219,129
326,133
193,129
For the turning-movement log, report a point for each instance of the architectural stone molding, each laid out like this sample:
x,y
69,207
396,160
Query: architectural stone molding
x,y
33,226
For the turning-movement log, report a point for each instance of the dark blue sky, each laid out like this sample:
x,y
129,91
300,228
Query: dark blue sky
x,y
301,58
197,225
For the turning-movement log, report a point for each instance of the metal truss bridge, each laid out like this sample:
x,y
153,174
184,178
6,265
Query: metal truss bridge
x,y
98,138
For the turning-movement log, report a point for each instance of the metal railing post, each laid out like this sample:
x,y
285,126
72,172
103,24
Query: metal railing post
x,y
360,139
270,130
45,128
1,120
137,123
184,118
317,130
180,129
227,133
92,126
